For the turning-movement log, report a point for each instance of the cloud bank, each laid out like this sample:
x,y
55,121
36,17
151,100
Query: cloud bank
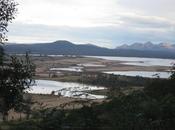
x,y
106,23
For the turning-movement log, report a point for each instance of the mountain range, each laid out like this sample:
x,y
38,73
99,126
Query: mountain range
x,y
149,46
162,50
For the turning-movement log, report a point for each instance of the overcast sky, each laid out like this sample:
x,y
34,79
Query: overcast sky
x,y
106,23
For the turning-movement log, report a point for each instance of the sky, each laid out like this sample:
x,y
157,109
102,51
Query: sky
x,y
106,23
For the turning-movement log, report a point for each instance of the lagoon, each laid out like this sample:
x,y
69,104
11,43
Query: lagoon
x,y
66,89
147,74
137,61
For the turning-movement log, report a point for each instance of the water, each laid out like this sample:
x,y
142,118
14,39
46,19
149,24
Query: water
x,y
90,65
74,90
148,74
72,69
139,61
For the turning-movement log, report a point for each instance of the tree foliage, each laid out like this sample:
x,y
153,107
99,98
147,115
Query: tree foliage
x,y
173,73
16,76
7,13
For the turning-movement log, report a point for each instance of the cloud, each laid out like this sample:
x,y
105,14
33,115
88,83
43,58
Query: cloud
x,y
108,36
146,21
102,22
64,13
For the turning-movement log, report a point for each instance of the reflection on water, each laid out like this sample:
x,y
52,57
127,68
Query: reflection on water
x,y
72,69
91,65
147,74
66,89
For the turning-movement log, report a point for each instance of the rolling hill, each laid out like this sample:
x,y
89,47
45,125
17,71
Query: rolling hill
x,y
68,48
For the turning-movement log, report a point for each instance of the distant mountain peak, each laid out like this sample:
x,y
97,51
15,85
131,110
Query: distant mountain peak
x,y
89,44
148,46
62,41
123,46
137,44
149,43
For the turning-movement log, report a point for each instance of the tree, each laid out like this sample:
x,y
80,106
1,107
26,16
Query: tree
x,y
16,75
7,13
1,55
173,73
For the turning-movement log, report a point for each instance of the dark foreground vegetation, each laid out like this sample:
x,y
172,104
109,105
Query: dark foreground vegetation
x,y
111,80
150,109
